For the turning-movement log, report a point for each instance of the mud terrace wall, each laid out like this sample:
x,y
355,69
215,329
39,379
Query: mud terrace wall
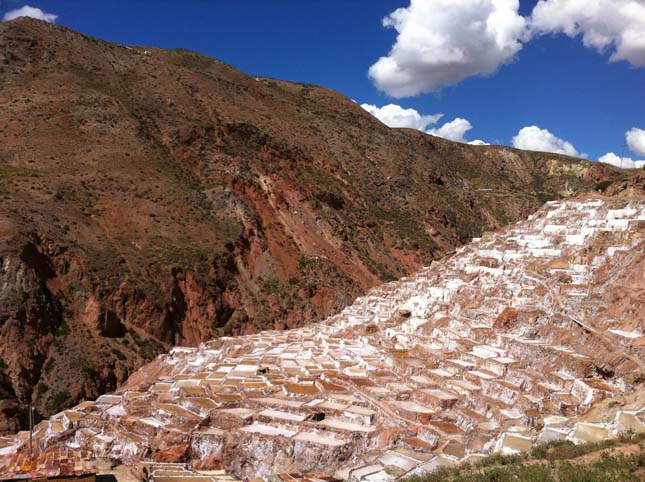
x,y
501,346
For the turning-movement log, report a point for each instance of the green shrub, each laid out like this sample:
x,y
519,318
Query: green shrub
x,y
42,389
499,459
88,371
601,186
117,353
58,401
63,329
49,365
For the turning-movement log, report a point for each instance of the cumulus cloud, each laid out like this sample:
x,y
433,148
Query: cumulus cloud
x,y
32,12
441,42
394,115
532,138
617,26
636,139
624,162
454,130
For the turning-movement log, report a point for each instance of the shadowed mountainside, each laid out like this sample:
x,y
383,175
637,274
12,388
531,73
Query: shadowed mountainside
x,y
154,197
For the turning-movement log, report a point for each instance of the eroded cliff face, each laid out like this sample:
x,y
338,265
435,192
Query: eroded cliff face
x,y
55,335
152,198
29,316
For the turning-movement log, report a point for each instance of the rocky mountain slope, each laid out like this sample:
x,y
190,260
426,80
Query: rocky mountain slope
x,y
531,335
152,198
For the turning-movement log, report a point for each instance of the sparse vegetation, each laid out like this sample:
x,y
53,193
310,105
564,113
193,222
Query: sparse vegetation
x,y
63,329
553,462
601,186
566,450
118,353
57,402
49,365
41,389
88,371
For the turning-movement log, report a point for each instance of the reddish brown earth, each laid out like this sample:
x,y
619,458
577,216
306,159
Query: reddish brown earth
x,y
154,197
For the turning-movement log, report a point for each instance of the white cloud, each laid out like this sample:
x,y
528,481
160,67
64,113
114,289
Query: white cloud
x,y
636,139
624,162
614,25
532,138
32,12
396,116
453,130
441,42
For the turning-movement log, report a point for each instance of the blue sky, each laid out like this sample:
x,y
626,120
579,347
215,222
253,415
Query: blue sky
x,y
553,81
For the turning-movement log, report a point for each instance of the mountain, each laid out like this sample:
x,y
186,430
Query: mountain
x,y
530,335
153,198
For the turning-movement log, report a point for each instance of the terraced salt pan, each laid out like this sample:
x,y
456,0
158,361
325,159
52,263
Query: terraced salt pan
x,y
319,439
337,391
268,430
285,416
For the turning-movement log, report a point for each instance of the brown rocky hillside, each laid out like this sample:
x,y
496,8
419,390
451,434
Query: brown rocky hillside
x,y
153,197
